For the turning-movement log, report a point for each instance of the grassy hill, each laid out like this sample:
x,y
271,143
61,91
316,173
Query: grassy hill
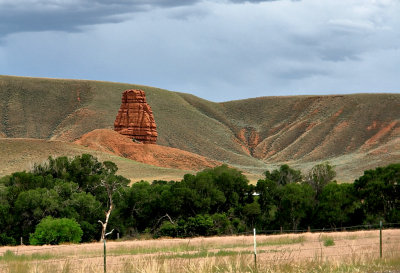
x,y
21,154
354,132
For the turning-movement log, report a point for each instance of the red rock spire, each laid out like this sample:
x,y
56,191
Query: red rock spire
x,y
135,118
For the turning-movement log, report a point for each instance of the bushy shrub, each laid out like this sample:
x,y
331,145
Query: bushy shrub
x,y
328,241
55,231
167,229
200,225
221,224
6,240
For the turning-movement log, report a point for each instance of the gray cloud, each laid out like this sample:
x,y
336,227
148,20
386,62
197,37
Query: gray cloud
x,y
69,16
215,49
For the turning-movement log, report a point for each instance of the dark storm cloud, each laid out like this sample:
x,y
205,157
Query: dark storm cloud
x,y
69,16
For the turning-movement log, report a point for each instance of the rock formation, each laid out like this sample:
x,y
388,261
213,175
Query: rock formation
x,y
135,118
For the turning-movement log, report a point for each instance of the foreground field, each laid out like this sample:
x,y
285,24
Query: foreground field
x,y
307,252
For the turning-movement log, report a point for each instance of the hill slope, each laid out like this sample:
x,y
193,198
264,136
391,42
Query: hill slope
x,y
352,131
109,141
21,154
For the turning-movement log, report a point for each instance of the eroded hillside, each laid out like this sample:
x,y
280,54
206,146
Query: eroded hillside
x,y
352,131
315,127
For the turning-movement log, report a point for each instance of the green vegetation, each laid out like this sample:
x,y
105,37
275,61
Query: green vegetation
x,y
55,231
212,202
60,188
283,241
10,256
328,241
380,191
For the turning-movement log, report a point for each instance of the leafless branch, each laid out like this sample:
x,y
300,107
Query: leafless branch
x,y
105,235
165,216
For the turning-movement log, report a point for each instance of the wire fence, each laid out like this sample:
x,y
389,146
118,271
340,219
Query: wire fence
x,y
270,246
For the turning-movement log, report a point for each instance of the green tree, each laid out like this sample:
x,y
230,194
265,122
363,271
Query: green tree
x,y
56,167
251,212
222,224
167,229
296,202
6,219
268,196
86,210
379,191
133,209
77,188
33,205
6,240
285,175
200,194
233,184
55,231
200,225
337,206
319,176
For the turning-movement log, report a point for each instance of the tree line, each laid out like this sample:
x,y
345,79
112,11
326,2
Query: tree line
x,y
83,199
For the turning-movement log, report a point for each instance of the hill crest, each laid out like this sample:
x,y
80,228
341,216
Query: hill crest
x,y
353,131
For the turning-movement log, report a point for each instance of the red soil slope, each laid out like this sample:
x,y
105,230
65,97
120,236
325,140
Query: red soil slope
x,y
112,142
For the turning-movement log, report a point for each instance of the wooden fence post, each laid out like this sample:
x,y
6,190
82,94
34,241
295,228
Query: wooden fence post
x,y
105,256
255,250
380,239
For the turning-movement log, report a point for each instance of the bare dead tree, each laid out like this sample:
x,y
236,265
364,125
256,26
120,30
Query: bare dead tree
x,y
110,187
111,184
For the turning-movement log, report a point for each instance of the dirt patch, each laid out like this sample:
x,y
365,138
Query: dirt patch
x,y
338,113
109,141
380,134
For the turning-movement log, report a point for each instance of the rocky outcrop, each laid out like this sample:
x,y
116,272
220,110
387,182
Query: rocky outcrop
x,y
135,118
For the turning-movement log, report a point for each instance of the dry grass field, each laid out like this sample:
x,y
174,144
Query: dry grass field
x,y
306,252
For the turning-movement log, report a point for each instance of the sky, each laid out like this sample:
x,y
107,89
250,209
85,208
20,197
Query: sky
x,y
218,50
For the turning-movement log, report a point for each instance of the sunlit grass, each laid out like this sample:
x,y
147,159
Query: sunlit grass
x,y
10,256
278,253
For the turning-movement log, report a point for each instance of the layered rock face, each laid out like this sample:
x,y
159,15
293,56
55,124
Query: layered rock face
x,y
135,118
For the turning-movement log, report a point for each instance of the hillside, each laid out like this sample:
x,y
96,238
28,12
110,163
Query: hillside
x,y
109,141
21,154
354,132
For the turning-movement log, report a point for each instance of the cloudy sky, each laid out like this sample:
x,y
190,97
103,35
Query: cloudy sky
x,y
218,50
